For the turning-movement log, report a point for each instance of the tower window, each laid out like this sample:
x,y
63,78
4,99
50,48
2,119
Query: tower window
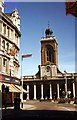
x,y
50,54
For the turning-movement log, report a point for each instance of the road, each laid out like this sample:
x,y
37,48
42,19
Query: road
x,y
42,110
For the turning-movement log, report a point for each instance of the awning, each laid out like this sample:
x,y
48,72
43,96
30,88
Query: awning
x,y
12,88
20,88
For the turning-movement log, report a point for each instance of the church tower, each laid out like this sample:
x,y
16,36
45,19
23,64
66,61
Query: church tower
x,y
49,48
49,54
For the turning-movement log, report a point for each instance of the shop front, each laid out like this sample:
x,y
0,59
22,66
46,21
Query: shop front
x,y
8,89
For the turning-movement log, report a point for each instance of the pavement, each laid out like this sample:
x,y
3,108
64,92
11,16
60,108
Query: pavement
x,y
29,110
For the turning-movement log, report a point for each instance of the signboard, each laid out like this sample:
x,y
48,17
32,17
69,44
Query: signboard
x,y
9,79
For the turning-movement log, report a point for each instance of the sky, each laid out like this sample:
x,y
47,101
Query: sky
x,y
34,21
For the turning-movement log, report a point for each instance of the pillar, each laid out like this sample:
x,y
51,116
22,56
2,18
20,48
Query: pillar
x,y
50,91
66,87
73,90
58,95
42,91
34,92
28,92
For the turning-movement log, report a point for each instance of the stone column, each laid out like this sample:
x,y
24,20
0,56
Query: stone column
x,y
42,92
28,92
58,95
34,92
73,90
50,91
66,87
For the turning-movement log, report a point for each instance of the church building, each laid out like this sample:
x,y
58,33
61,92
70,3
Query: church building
x,y
49,82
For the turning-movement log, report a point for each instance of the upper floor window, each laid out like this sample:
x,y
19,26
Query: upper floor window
x,y
7,46
8,31
11,34
3,44
4,62
4,29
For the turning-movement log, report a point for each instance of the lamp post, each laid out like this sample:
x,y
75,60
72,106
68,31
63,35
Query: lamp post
x,y
23,56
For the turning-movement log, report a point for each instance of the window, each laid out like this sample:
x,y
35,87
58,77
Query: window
x,y
3,44
4,29
50,54
4,62
8,31
7,46
7,66
11,34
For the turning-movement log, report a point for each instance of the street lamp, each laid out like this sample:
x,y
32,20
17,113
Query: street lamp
x,y
23,56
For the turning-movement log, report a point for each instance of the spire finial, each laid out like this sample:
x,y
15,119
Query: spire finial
x,y
48,31
48,24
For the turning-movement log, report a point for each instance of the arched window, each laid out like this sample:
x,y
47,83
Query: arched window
x,y
50,54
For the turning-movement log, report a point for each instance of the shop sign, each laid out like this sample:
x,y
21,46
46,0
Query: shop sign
x,y
9,79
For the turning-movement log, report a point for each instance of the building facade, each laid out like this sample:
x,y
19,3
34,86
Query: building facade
x,y
49,82
9,49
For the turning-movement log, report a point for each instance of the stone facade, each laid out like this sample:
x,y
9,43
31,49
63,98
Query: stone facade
x,y
9,42
49,82
9,49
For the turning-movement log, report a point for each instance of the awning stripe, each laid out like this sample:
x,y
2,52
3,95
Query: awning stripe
x,y
20,87
12,88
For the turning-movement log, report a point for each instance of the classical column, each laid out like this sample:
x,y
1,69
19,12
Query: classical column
x,y
34,92
50,91
42,91
73,90
58,95
28,92
66,87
